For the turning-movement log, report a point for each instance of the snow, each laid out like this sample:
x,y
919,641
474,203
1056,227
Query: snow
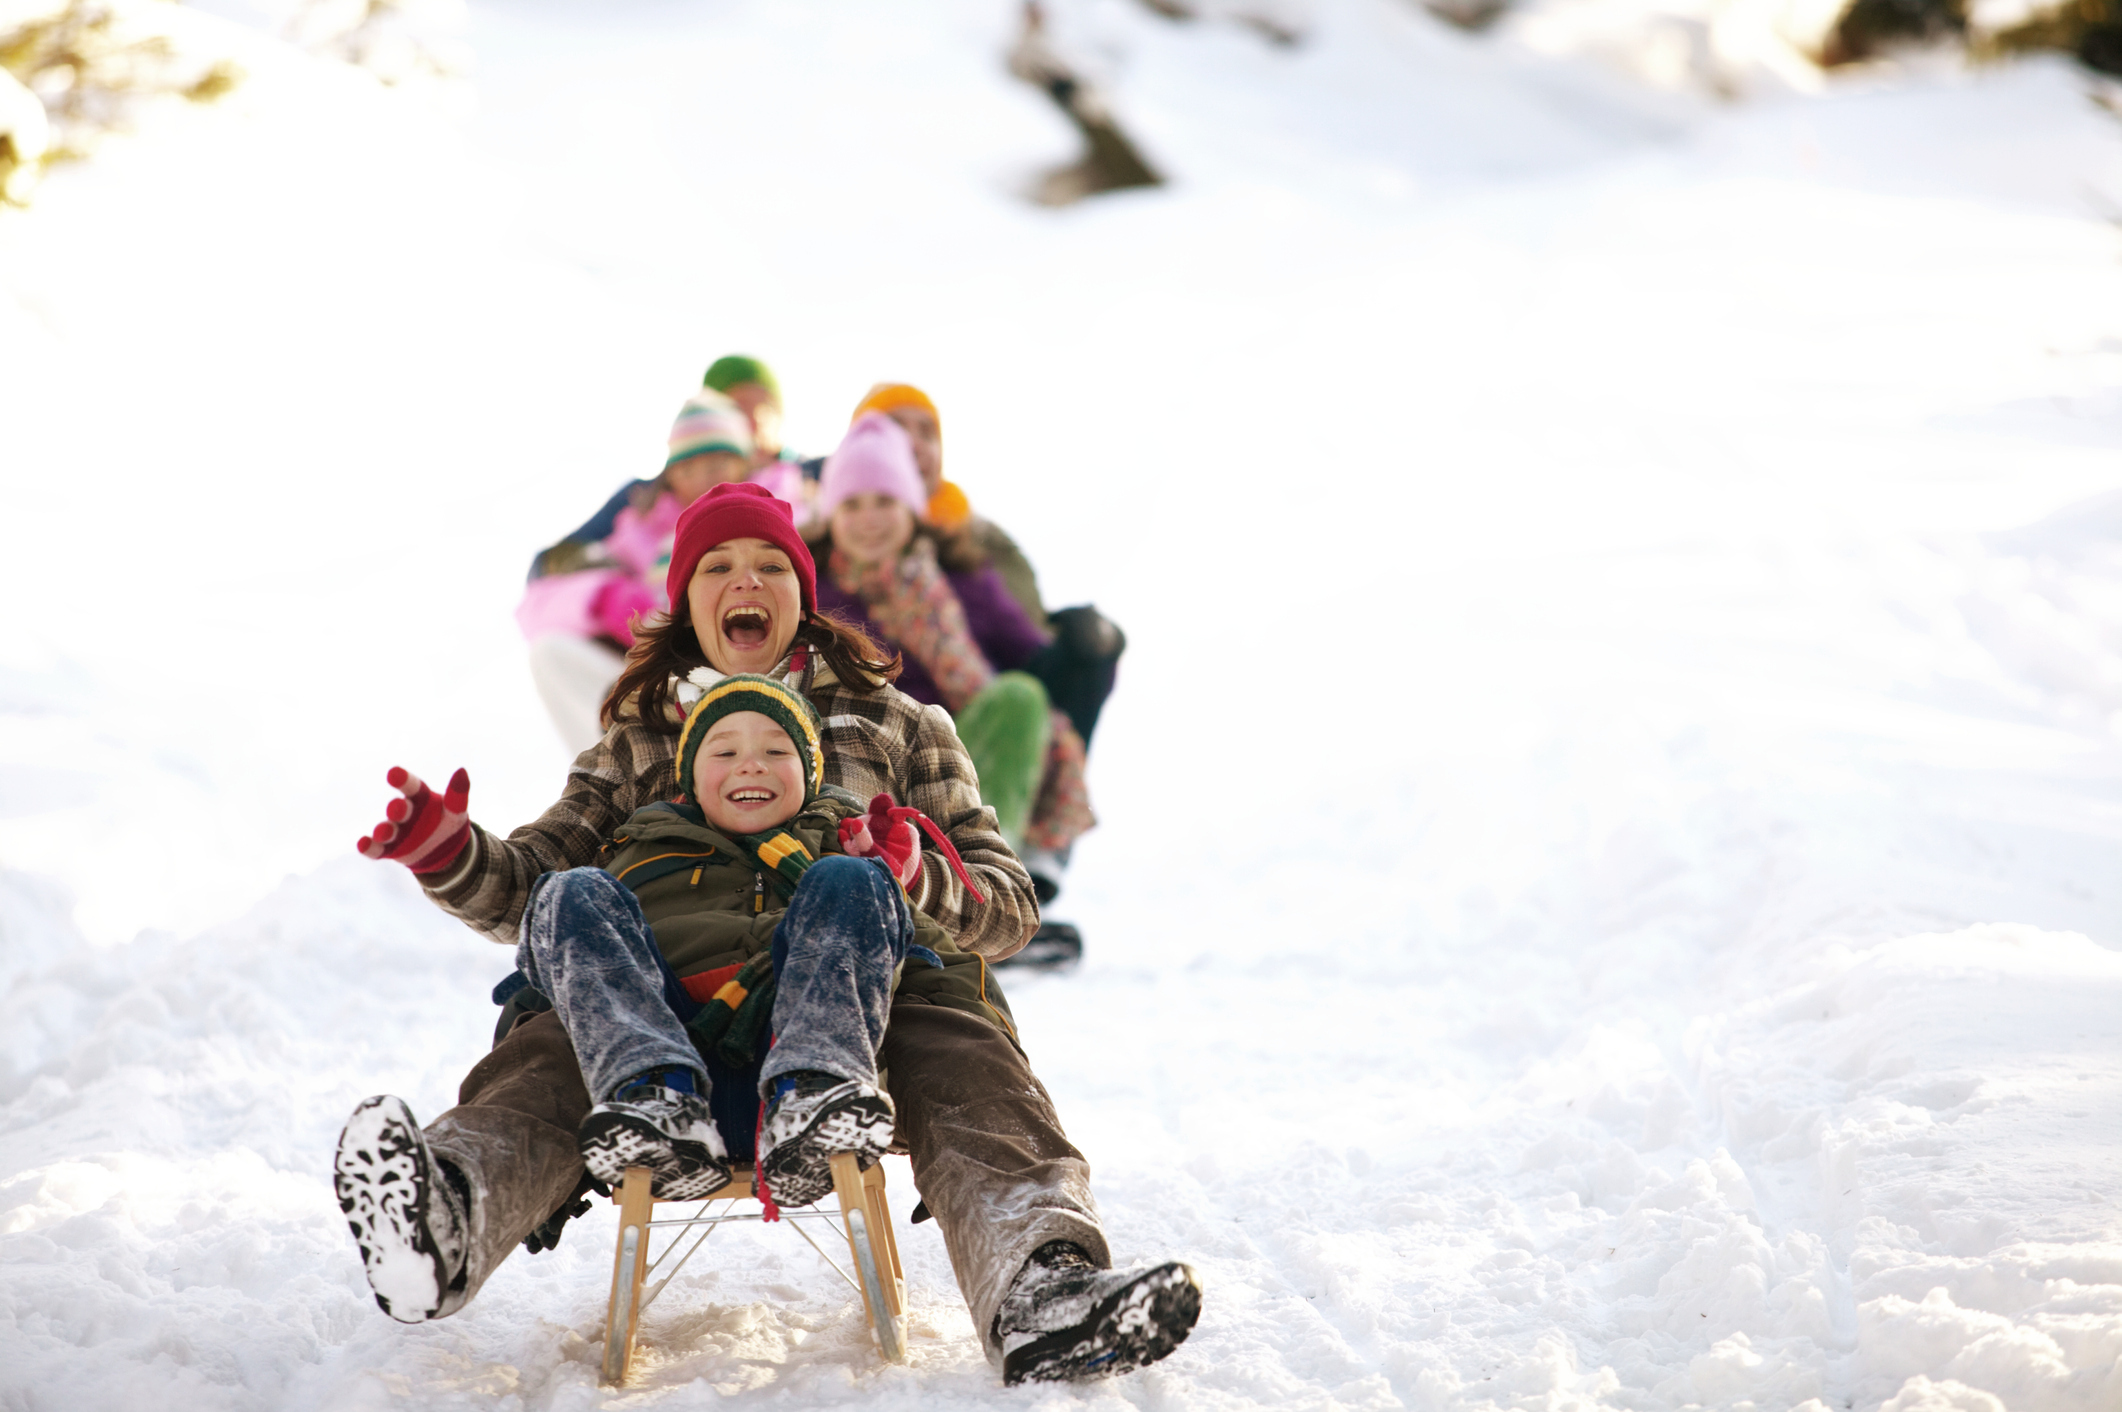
x,y
1606,892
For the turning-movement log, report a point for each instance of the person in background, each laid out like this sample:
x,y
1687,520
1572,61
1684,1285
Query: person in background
x,y
964,638
751,385
1081,660
947,509
584,592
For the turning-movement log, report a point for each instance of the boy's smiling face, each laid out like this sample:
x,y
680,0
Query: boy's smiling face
x,y
747,775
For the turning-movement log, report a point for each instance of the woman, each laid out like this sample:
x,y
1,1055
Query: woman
x,y
963,637
1009,1191
585,592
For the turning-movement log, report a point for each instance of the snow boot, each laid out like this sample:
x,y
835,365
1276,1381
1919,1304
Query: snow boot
x,y
1047,868
648,1123
810,1118
1064,1319
409,1212
1055,946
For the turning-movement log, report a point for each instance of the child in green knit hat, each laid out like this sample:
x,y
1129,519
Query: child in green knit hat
x,y
775,910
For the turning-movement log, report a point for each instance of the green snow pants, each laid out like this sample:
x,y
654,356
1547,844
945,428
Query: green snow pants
x,y
1006,729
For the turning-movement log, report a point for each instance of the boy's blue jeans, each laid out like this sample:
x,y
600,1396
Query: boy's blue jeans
x,y
588,949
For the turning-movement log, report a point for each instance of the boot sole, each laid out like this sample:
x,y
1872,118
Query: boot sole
x,y
685,1171
381,1177
1130,1328
799,1170
1054,946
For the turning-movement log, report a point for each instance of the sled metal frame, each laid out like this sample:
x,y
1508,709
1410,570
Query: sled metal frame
x,y
864,1220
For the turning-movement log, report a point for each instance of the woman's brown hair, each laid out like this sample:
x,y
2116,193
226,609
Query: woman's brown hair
x,y
666,646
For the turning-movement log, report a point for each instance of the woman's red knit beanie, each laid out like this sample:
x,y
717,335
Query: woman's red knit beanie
x,y
739,511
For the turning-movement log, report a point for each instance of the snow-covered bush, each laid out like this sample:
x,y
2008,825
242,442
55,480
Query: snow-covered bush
x,y
83,65
1734,48
1723,48
2090,29
396,40
25,134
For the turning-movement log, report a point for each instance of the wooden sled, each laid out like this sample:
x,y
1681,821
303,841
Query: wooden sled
x,y
864,1220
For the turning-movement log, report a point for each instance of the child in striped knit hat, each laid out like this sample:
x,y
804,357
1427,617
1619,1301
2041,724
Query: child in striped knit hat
x,y
710,445
586,592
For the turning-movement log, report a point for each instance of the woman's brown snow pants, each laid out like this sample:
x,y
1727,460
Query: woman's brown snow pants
x,y
989,1156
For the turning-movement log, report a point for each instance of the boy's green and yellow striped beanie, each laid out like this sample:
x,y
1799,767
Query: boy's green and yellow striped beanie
x,y
776,700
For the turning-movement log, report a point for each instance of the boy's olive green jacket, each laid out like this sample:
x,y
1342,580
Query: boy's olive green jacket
x,y
712,908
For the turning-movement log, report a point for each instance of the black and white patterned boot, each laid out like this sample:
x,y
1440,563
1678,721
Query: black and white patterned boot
x,y
810,1118
409,1212
1064,1319
669,1131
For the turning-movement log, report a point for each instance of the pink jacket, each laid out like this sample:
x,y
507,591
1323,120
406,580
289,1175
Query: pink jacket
x,y
603,601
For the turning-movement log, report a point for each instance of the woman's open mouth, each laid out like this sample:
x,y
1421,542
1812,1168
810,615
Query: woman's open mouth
x,y
746,625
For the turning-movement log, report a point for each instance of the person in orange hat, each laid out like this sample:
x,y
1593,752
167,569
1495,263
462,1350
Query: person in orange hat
x,y
949,512
1080,662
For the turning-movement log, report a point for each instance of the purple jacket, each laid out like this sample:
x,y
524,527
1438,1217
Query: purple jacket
x,y
1001,631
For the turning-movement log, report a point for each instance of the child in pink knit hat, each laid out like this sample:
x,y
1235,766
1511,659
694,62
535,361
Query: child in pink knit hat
x,y
875,458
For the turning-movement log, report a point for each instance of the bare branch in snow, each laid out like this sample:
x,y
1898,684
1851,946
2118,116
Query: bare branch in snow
x,y
1110,161
398,41
1276,26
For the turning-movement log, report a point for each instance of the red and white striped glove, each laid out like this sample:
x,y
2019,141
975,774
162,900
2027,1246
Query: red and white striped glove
x,y
424,830
885,832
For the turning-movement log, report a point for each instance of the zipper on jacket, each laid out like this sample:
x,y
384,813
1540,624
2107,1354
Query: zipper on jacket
x,y
758,893
696,875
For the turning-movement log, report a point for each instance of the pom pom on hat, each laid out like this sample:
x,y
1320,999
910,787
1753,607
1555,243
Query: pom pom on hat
x,y
708,422
875,455
948,509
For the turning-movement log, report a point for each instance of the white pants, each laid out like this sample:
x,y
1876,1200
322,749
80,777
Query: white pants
x,y
572,675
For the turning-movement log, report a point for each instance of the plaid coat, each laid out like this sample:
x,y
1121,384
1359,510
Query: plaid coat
x,y
875,741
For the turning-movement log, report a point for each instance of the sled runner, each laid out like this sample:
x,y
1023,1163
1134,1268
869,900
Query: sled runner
x,y
864,1220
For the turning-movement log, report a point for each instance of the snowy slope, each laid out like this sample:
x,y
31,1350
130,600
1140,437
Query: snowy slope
x,y
1677,963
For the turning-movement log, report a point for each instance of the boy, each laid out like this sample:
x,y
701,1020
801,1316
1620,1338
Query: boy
x,y
751,917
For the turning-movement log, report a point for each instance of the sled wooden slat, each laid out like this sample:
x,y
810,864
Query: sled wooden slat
x,y
622,1322
881,1222
865,1219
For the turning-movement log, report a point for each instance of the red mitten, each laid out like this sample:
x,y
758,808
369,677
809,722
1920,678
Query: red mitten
x,y
885,833
900,846
425,831
615,606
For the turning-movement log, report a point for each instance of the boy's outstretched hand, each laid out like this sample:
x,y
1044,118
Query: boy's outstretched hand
x,y
885,832
424,830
